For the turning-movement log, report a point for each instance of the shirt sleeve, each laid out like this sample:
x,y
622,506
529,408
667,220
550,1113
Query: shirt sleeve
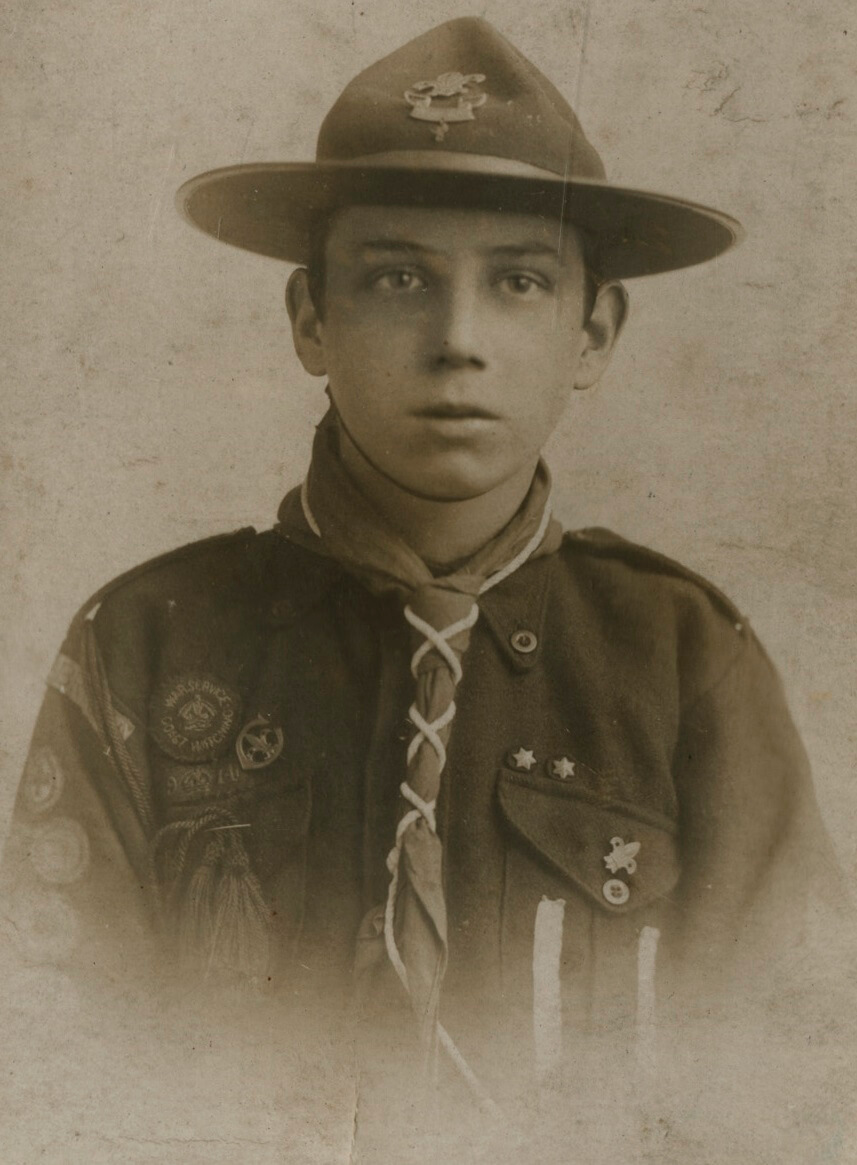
x,y
759,868
78,893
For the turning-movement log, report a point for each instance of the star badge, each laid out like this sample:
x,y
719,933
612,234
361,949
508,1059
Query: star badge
x,y
524,759
563,768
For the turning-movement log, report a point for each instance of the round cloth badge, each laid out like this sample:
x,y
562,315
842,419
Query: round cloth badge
x,y
46,928
193,717
59,850
43,780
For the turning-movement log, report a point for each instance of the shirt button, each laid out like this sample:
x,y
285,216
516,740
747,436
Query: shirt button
x,y
616,892
524,641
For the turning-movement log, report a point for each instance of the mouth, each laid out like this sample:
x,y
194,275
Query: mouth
x,y
456,412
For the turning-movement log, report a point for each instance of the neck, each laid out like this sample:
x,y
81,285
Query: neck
x,y
440,532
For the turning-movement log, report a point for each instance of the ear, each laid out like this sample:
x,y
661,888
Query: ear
x,y
601,331
306,325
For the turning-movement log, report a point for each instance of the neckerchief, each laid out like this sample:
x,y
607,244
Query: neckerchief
x,y
329,515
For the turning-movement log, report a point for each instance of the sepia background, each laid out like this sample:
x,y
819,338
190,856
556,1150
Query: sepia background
x,y
151,395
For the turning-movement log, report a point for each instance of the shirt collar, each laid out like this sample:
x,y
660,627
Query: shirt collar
x,y
514,611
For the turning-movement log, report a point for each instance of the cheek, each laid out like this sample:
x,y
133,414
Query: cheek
x,y
364,348
545,364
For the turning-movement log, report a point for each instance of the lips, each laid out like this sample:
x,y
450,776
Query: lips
x,y
456,412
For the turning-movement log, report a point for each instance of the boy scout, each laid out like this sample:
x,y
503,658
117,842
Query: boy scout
x,y
505,787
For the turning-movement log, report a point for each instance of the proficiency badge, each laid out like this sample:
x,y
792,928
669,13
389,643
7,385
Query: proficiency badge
x,y
45,928
623,856
449,98
59,850
43,780
259,744
216,781
193,717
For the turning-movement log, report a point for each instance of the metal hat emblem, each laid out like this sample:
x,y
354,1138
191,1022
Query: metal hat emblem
x,y
259,744
433,100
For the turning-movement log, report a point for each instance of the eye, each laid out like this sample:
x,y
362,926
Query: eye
x,y
525,284
399,279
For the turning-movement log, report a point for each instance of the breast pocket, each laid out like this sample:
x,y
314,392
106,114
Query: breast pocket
x,y
619,857
586,880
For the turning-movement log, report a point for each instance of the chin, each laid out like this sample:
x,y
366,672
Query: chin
x,y
443,484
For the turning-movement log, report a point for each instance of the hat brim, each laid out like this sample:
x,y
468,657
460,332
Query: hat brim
x,y
269,208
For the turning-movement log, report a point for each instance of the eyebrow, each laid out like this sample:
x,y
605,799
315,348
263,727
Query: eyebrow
x,y
534,248
399,246
402,247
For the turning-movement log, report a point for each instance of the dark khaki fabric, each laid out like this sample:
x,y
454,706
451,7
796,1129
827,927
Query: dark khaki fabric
x,y
642,677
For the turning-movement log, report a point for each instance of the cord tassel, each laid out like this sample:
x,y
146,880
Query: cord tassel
x,y
213,903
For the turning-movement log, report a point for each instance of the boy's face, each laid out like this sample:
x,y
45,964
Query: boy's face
x,y
452,339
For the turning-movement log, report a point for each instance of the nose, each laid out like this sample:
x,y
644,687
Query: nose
x,y
460,336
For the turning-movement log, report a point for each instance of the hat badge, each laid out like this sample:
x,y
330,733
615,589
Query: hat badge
x,y
448,98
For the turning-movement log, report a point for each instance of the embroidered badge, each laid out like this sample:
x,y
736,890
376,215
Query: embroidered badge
x,y
623,856
189,783
43,780
448,98
45,928
259,744
66,676
562,768
193,717
524,759
59,850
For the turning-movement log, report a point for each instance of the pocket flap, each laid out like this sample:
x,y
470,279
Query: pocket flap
x,y
622,857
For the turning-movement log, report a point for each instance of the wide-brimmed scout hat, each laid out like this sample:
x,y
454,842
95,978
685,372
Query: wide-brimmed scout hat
x,y
457,117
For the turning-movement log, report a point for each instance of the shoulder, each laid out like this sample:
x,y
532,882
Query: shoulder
x,y
207,607
230,571
664,613
227,580
212,559
645,571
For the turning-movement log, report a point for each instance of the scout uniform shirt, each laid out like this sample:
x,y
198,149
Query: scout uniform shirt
x,y
627,817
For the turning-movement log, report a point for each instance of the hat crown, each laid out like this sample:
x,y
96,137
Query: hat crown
x,y
461,87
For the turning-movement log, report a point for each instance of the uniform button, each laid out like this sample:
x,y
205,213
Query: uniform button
x,y
616,892
524,641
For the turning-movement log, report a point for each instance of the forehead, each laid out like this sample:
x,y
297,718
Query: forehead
x,y
449,232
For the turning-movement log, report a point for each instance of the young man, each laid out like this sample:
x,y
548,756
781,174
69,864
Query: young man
x,y
414,751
